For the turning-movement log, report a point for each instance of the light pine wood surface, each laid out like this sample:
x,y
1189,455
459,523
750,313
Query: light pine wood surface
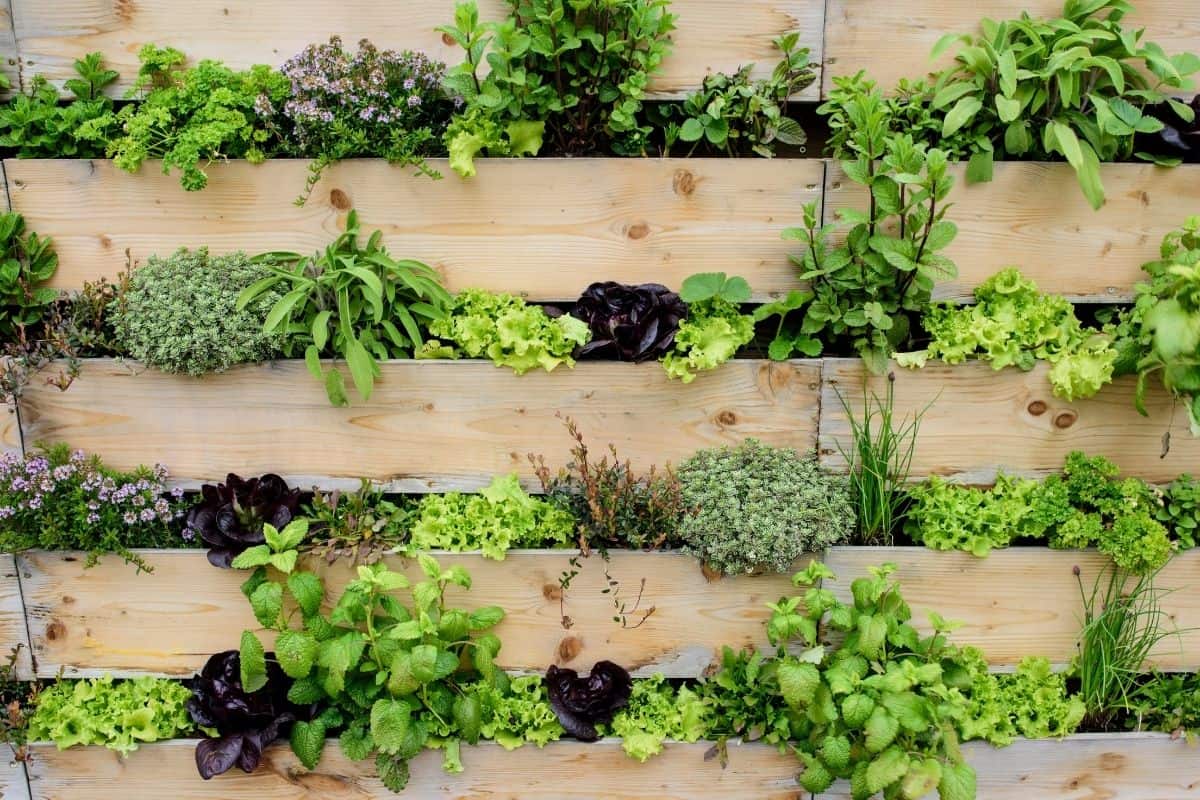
x,y
13,631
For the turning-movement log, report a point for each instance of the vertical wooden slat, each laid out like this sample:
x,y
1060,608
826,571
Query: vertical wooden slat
x,y
14,633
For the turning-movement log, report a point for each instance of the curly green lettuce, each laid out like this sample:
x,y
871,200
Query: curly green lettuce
x,y
518,715
1033,702
712,333
117,715
497,519
510,332
658,712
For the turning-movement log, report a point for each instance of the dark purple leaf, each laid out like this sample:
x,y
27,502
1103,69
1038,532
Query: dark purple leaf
x,y
580,703
630,323
229,517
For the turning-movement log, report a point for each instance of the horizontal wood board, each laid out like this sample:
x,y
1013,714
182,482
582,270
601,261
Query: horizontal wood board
x,y
14,632
1023,601
894,40
711,35
13,783
1033,216
429,425
543,228
980,421
87,622
1083,767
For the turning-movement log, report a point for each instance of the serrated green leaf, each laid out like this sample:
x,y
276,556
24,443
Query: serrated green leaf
x,y
253,662
887,768
297,652
267,604
307,590
308,740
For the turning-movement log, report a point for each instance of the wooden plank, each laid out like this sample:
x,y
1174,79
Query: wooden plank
x,y
1023,601
10,59
13,630
980,421
545,228
104,619
1034,217
429,426
1087,766
559,771
13,783
10,429
894,40
712,35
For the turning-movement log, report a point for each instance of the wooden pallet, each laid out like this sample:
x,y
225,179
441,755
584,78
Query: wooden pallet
x,y
14,631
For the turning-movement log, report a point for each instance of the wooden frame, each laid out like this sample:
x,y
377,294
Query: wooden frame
x,y
712,35
14,630
14,785
1132,766
980,421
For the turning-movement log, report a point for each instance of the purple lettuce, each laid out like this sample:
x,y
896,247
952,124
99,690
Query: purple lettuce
x,y
583,703
229,517
630,323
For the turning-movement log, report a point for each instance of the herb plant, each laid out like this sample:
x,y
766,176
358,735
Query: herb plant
x,y
566,76
757,507
1014,324
509,331
192,116
735,114
867,292
389,675
37,125
181,313
360,526
714,329
1180,510
371,102
26,261
1166,702
352,300
120,715
1075,87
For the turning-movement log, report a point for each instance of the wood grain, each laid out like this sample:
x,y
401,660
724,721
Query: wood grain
x,y
1023,601
1034,217
559,771
13,783
545,228
429,426
13,631
712,35
87,622
980,421
894,40
1087,766
10,59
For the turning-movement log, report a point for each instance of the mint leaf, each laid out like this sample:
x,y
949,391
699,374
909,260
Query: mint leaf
x,y
267,604
356,742
305,691
881,730
308,740
393,772
424,662
253,663
957,783
798,683
251,557
390,722
886,769
296,652
308,590
468,716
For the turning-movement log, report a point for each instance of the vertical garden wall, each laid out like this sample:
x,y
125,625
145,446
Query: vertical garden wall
x,y
990,532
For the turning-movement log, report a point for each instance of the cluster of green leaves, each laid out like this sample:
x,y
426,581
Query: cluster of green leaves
x,y
190,116
1079,88
1180,510
1074,87
563,75
1014,324
506,329
1033,702
658,711
36,125
865,293
181,314
1161,333
755,507
499,518
26,260
1167,702
18,699
883,707
515,711
736,115
342,301
1088,506
120,715
714,329
388,675
361,525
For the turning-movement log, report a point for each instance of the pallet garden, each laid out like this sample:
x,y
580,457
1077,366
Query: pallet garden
x,y
600,399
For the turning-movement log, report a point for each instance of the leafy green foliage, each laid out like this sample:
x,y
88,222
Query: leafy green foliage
x,y
1167,702
737,115
181,314
514,711
757,507
1014,324
566,76
190,117
746,702
1032,702
866,292
387,672
499,518
117,715
26,260
1161,333
657,712
342,301
1074,87
1180,511
360,525
36,125
714,329
509,331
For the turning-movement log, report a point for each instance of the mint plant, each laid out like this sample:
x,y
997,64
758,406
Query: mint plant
x,y
389,675
26,261
36,125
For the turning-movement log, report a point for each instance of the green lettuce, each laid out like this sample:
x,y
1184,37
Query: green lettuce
x,y
1033,702
657,712
518,715
117,715
712,333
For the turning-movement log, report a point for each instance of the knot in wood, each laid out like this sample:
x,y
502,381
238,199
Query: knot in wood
x,y
1065,419
1037,408
638,230
569,648
727,418
339,200
685,182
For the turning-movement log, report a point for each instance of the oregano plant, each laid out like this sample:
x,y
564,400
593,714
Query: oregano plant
x,y
390,675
